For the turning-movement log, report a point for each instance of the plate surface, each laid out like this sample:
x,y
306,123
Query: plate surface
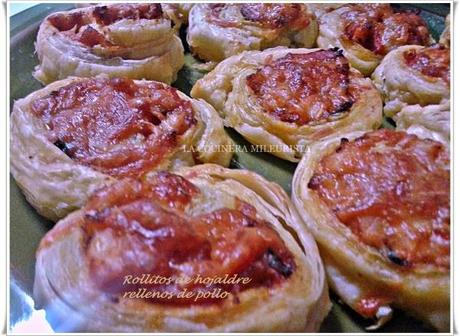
x,y
27,227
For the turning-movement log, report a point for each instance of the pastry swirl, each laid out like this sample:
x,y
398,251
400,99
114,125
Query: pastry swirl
x,y
77,134
444,39
411,75
119,40
178,12
290,98
431,118
199,222
367,32
319,9
218,31
378,204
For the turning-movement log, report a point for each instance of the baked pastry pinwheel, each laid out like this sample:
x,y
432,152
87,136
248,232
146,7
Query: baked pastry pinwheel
x,y
218,31
412,75
435,118
285,99
222,236
367,32
119,40
378,205
77,134
444,39
319,9
178,11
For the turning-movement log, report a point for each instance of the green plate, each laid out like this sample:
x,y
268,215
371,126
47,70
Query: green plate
x,y
27,227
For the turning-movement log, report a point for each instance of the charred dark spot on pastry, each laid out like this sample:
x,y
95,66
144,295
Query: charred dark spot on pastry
x,y
337,51
97,216
344,107
249,222
343,141
114,299
100,12
313,183
277,264
63,146
394,258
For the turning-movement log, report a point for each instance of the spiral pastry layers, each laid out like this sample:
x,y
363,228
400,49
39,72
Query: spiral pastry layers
x,y
291,98
203,222
218,31
136,41
378,204
367,32
414,75
77,134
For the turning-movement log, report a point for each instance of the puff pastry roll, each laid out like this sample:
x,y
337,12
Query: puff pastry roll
x,y
120,40
196,227
218,31
367,32
77,134
413,75
319,9
435,118
378,204
444,39
178,11
285,99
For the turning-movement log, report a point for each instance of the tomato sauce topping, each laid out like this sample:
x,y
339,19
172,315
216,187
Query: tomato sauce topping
x,y
108,15
369,306
114,125
68,21
304,88
268,15
432,61
275,16
87,29
136,227
379,28
392,190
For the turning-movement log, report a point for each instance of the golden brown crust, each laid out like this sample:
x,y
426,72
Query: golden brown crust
x,y
365,279
444,39
55,184
218,31
319,9
367,32
432,118
402,83
299,303
227,89
178,12
134,41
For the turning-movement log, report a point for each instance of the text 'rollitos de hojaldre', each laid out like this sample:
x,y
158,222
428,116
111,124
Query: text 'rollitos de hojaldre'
x,y
153,279
207,284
